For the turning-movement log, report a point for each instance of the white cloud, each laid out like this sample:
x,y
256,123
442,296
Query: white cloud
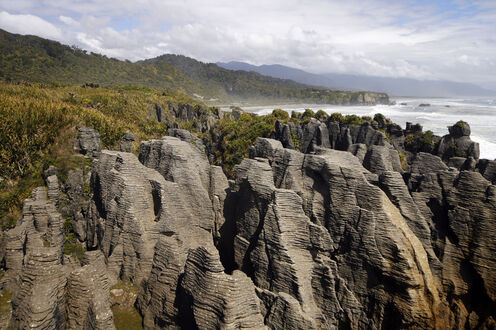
x,y
29,24
376,37
69,21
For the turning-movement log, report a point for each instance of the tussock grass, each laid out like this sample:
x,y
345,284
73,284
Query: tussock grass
x,y
38,125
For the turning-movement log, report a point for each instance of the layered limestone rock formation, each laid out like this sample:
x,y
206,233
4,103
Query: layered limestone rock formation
x,y
146,216
314,228
323,239
40,226
88,287
39,302
214,300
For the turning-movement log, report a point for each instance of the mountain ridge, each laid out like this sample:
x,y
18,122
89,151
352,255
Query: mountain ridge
x,y
394,86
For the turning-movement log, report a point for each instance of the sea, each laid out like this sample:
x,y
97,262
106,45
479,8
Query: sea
x,y
434,114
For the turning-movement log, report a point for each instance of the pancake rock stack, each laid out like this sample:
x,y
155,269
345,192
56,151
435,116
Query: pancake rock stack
x,y
313,239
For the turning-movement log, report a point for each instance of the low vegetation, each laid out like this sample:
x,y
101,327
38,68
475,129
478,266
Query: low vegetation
x,y
122,298
235,137
38,125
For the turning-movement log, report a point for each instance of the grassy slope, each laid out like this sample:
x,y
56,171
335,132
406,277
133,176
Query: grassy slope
x,y
37,129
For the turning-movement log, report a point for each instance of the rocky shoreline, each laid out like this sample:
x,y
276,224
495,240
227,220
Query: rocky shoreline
x,y
365,226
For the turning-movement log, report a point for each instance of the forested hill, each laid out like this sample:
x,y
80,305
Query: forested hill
x,y
34,59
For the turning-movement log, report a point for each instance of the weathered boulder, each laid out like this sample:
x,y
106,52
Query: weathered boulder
x,y
314,134
457,143
126,143
87,141
186,136
427,163
156,112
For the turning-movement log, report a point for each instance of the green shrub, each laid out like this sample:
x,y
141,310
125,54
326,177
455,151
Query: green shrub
x,y
353,120
337,117
73,247
380,118
237,136
410,139
321,115
280,115
307,115
426,138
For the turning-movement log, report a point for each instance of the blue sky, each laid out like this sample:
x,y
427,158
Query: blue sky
x,y
445,39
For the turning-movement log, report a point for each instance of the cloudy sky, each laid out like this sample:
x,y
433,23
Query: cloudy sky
x,y
443,39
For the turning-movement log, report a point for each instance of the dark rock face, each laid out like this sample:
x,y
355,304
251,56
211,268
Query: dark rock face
x,y
282,132
460,208
488,169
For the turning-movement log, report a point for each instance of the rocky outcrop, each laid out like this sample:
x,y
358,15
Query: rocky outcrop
x,y
125,215
323,239
328,227
126,143
87,141
315,134
282,132
215,300
369,98
40,300
88,304
457,143
180,206
460,207
186,136
41,225
488,169
75,201
193,216
379,159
